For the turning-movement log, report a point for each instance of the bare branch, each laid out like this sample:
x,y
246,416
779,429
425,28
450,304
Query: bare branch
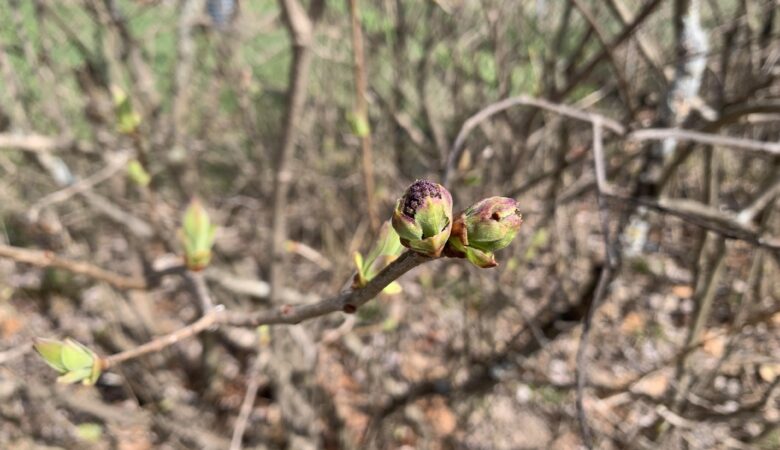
x,y
485,113
116,163
42,258
347,302
35,143
653,134
207,321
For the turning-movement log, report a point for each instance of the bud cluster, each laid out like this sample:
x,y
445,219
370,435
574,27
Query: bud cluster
x,y
424,221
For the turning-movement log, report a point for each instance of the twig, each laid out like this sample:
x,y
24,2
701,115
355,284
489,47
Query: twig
x,y
705,217
624,34
749,212
249,399
43,258
34,142
301,30
622,82
347,302
610,254
485,113
117,162
653,134
120,216
310,254
13,353
361,112
201,290
207,321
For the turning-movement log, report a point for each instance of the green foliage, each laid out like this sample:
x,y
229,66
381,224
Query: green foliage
x,y
74,361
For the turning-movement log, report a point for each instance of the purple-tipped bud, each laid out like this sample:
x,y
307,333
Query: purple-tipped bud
x,y
423,217
488,225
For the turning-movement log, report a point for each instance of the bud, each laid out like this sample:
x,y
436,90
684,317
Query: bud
x,y
74,361
197,235
423,217
488,225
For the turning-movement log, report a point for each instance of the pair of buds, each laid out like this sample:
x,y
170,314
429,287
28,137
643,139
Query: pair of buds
x,y
423,219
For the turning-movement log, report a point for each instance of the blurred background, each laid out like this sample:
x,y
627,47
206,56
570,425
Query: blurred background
x,y
298,124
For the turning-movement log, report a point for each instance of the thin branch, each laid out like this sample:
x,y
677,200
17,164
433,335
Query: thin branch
x,y
653,134
201,290
207,321
705,217
35,143
622,81
624,34
610,254
117,163
361,112
255,378
43,258
13,353
300,27
485,113
347,302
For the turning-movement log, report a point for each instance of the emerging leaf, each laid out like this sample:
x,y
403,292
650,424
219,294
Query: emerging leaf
x,y
138,174
74,361
127,119
197,235
51,352
386,249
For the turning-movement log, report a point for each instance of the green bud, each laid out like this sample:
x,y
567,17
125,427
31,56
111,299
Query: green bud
x,y
127,119
74,361
137,173
488,225
197,235
423,218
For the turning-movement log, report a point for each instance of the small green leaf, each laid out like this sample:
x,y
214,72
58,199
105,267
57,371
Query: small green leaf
x,y
89,431
51,352
389,324
75,376
393,288
127,119
387,248
359,125
361,270
264,335
138,174
76,357
94,373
